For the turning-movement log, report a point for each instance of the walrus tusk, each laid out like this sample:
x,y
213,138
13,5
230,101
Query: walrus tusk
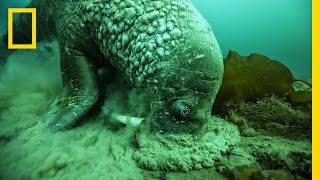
x,y
134,121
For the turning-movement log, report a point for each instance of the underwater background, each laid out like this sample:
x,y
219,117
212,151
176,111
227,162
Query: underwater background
x,y
30,80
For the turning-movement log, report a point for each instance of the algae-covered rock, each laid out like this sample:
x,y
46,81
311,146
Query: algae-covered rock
x,y
249,132
299,97
301,93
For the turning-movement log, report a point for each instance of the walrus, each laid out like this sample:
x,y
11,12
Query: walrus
x,y
163,47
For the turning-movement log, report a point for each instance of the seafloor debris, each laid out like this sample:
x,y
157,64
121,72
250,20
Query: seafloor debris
x,y
274,116
265,157
240,121
185,152
273,113
254,171
261,157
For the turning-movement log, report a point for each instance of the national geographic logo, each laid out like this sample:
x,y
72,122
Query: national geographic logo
x,y
33,44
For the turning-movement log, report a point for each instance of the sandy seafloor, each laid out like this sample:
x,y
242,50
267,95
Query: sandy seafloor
x,y
28,150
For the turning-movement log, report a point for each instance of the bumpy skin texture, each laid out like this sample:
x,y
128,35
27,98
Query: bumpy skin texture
x,y
164,47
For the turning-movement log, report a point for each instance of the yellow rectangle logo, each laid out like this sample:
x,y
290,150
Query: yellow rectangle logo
x,y
33,44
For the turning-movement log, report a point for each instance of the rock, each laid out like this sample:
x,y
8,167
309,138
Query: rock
x,y
249,132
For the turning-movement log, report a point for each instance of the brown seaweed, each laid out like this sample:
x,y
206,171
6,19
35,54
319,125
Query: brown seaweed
x,y
253,77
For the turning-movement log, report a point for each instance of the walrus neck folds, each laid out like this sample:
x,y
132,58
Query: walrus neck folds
x,y
141,37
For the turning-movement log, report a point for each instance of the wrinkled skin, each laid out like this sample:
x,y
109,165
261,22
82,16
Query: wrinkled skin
x,y
163,47
185,97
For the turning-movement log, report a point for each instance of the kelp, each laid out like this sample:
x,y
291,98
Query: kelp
x,y
253,77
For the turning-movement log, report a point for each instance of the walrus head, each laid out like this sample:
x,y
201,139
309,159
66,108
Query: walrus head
x,y
187,85
180,65
184,101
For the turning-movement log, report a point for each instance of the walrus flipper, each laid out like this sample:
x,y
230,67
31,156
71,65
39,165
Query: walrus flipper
x,y
80,90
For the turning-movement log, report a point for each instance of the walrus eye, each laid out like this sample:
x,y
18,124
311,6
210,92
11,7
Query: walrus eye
x,y
180,109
